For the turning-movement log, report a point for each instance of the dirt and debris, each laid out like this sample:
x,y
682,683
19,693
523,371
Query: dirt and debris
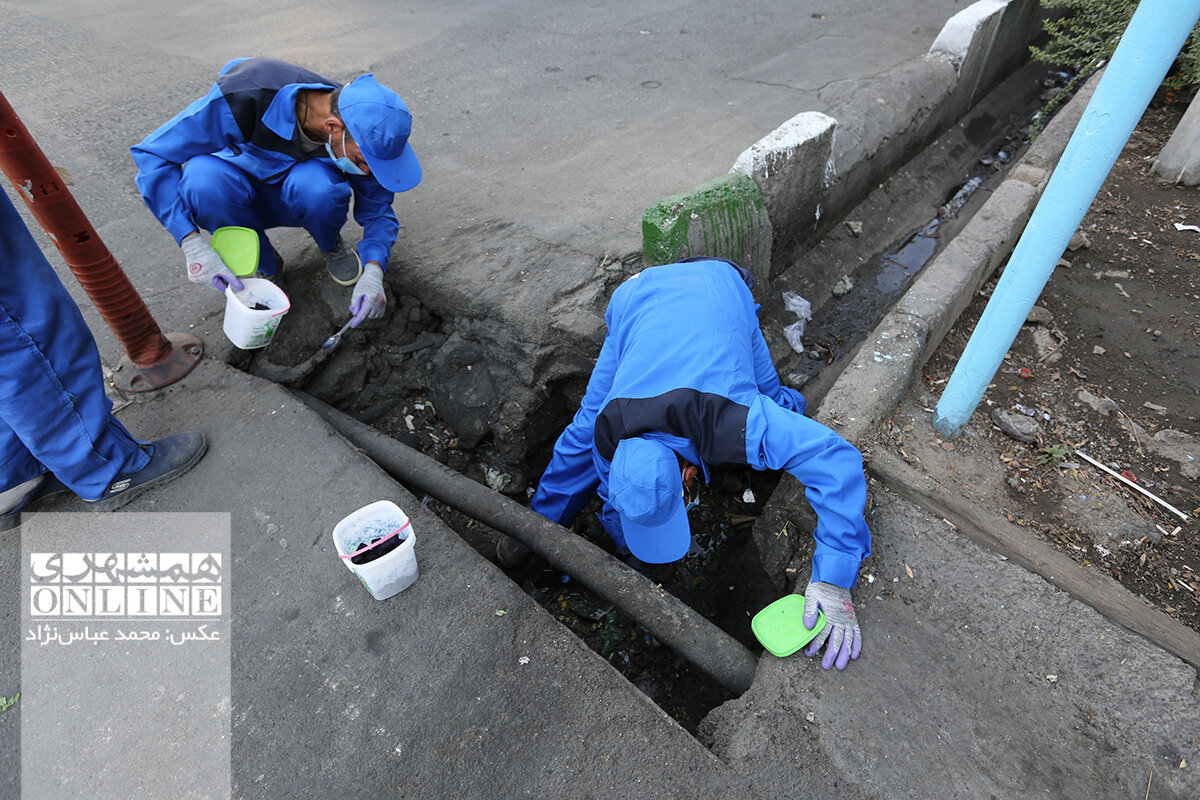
x,y
1107,369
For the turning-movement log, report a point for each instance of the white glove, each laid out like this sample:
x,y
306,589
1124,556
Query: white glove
x,y
368,300
204,265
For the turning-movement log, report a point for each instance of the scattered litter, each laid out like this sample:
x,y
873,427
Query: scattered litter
x,y
748,496
1062,262
1131,484
500,612
1129,476
870,578
1018,426
1025,373
802,309
1052,678
1098,350
843,286
1154,407
1111,273
1080,239
1179,226
855,227
1121,289
523,660
1032,412
408,421
908,570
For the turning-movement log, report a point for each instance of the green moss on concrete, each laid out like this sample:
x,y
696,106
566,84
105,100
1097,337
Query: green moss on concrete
x,y
720,218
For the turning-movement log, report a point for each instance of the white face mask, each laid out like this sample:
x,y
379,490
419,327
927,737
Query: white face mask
x,y
344,164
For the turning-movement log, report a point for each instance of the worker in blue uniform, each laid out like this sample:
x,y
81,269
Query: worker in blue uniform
x,y
684,381
275,145
57,431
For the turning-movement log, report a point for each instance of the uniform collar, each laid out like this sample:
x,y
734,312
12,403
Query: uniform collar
x,y
280,117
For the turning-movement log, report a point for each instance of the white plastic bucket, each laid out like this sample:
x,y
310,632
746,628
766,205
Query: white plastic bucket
x,y
247,328
392,572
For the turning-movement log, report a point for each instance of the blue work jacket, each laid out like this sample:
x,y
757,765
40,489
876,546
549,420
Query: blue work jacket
x,y
684,362
248,118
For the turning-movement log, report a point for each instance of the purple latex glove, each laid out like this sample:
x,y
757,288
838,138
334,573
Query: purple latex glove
x,y
368,300
841,625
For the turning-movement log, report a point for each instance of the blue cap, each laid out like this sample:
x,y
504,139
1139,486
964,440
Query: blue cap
x,y
645,488
380,123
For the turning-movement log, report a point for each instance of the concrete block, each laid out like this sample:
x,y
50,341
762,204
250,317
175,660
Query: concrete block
x,y
962,35
725,218
793,166
1179,161
983,40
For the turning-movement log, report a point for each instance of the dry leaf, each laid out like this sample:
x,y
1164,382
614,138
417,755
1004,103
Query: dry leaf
x,y
908,569
64,175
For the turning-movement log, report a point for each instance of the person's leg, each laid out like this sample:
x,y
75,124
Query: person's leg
x,y
52,402
314,197
218,194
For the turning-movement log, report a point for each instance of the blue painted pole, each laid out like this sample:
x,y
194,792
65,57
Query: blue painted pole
x,y
1151,42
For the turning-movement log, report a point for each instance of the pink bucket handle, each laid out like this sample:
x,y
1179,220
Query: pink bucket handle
x,y
375,544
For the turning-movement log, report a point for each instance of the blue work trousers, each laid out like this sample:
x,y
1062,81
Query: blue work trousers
x,y
54,414
311,195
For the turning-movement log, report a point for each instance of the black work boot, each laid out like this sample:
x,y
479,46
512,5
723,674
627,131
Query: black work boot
x,y
169,458
343,263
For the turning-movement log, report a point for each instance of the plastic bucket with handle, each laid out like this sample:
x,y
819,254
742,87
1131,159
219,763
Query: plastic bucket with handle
x,y
366,542
253,314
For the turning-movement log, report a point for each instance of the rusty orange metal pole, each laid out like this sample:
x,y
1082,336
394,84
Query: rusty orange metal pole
x,y
152,360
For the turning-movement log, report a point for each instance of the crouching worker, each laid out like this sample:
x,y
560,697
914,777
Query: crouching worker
x,y
274,145
684,381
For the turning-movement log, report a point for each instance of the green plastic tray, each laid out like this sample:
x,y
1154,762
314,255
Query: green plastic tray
x,y
238,248
780,626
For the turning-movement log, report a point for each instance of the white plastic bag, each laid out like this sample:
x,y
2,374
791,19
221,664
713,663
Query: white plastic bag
x,y
802,309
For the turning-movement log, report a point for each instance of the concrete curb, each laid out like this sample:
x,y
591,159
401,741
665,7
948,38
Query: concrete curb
x,y
885,123
884,366
725,217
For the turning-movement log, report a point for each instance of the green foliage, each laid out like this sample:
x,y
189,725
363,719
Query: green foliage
x,y
1086,32
8,702
1053,453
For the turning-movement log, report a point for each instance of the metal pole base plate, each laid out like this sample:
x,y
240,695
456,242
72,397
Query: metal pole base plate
x,y
185,353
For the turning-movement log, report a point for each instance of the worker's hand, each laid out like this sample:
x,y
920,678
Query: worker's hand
x,y
204,265
368,300
841,625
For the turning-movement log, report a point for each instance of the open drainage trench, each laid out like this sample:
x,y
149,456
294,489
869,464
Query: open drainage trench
x,y
383,377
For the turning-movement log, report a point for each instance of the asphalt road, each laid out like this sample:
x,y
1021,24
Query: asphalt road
x,y
541,126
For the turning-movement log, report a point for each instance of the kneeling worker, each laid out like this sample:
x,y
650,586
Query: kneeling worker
x,y
275,145
683,381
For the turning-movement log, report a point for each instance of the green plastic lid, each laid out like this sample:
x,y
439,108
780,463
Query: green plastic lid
x,y
780,626
238,248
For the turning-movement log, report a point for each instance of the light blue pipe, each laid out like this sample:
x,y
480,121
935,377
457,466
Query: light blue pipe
x,y
1155,35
